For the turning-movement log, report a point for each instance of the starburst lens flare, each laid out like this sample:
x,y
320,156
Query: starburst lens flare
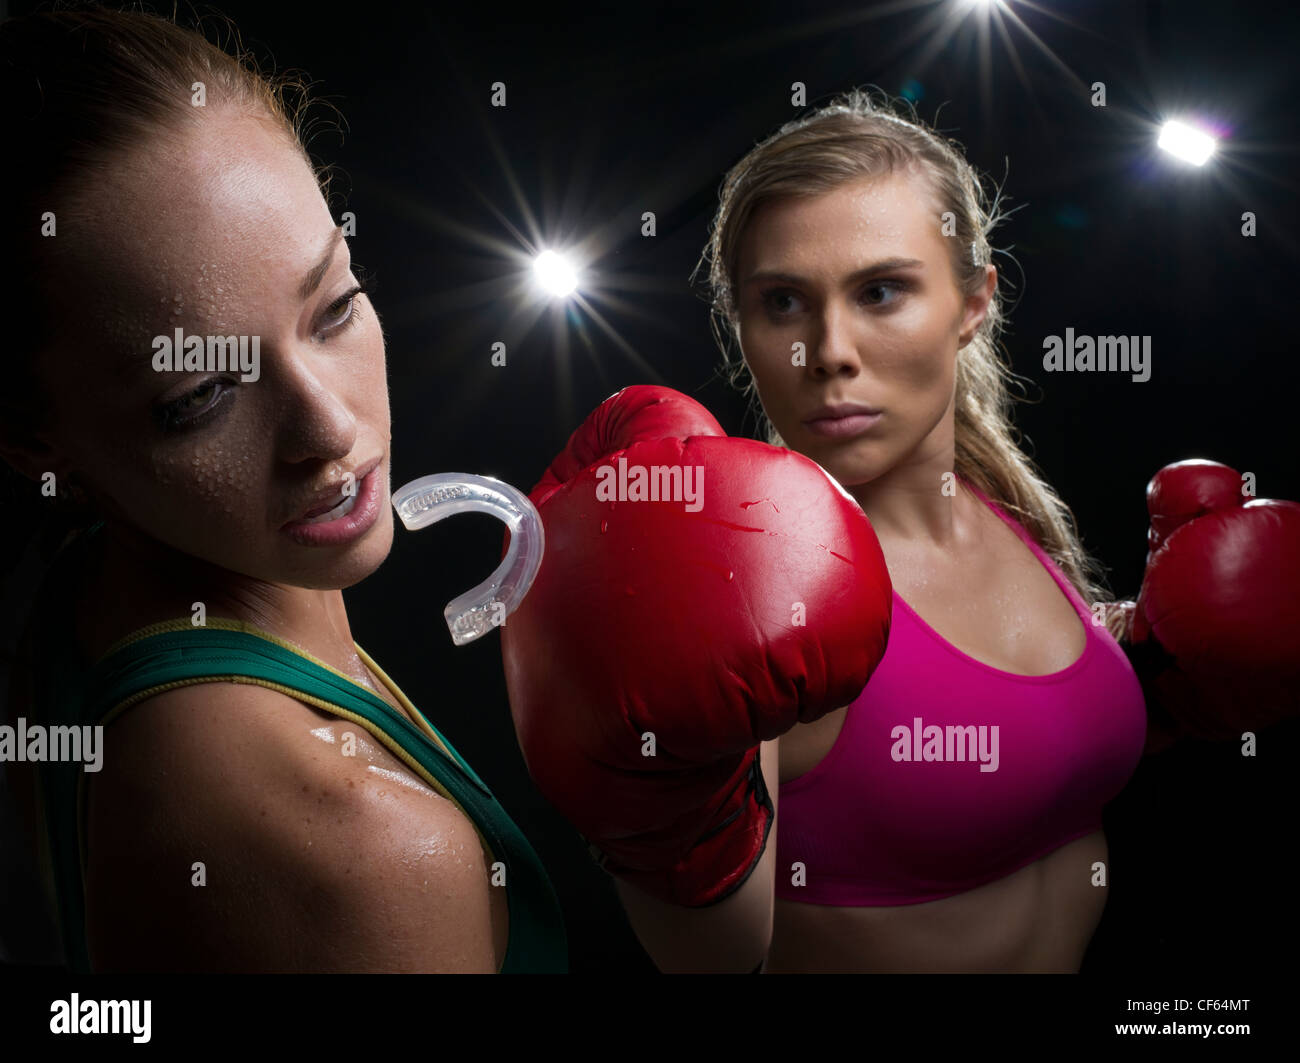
x,y
1186,142
555,274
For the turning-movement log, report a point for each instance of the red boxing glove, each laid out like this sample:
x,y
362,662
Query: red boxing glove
x,y
664,639
1217,624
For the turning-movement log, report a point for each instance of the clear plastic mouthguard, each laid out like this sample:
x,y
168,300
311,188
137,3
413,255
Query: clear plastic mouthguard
x,y
433,498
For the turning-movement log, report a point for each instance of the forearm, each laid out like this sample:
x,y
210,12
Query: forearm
x,y
1116,618
730,937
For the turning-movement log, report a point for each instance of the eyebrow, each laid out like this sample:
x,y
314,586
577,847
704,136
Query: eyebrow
x,y
317,273
883,266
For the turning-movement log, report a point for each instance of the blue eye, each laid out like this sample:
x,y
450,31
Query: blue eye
x,y
773,295
783,302
893,286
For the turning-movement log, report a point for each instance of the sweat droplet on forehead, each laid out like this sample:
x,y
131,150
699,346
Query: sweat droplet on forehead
x,y
212,285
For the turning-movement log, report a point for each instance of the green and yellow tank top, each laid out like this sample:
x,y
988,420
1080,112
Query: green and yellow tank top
x,y
175,653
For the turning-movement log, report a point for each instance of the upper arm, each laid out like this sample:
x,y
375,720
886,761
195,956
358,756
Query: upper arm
x,y
20,776
222,839
30,926
730,937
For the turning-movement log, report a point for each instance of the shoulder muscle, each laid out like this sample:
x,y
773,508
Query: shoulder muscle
x,y
224,837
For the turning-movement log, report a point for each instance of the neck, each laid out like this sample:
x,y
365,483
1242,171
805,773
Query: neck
x,y
165,581
919,499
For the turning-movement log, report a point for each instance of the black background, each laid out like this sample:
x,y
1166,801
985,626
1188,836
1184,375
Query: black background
x,y
612,112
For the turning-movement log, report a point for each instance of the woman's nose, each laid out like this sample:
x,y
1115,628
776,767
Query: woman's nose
x,y
314,419
834,350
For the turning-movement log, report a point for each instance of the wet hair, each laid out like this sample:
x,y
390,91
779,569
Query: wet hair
x,y
83,85
863,134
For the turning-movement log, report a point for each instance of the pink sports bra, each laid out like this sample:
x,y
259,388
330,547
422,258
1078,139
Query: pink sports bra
x,y
949,773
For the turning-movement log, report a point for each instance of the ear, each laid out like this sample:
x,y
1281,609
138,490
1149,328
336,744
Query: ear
x,y
976,307
29,454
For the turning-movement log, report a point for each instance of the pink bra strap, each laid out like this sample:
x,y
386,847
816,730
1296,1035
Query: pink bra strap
x,y
1076,599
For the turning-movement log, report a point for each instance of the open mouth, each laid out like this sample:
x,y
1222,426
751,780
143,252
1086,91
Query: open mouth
x,y
339,509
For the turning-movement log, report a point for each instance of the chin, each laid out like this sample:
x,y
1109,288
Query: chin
x,y
855,478
854,471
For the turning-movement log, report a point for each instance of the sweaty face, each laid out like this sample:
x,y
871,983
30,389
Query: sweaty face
x,y
862,276
221,230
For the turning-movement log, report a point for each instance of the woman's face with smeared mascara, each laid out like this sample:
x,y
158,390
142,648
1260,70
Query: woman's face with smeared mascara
x,y
220,231
862,276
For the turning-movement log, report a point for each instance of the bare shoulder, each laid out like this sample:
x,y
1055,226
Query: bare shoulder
x,y
224,835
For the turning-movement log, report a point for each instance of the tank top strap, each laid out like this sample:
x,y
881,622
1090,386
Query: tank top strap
x,y
175,653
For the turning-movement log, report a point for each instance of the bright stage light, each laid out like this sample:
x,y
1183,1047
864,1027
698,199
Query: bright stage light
x,y
1186,142
555,274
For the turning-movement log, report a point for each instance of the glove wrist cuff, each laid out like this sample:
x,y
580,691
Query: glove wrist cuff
x,y
721,860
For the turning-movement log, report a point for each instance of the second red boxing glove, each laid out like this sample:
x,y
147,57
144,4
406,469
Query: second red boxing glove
x,y
1217,623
